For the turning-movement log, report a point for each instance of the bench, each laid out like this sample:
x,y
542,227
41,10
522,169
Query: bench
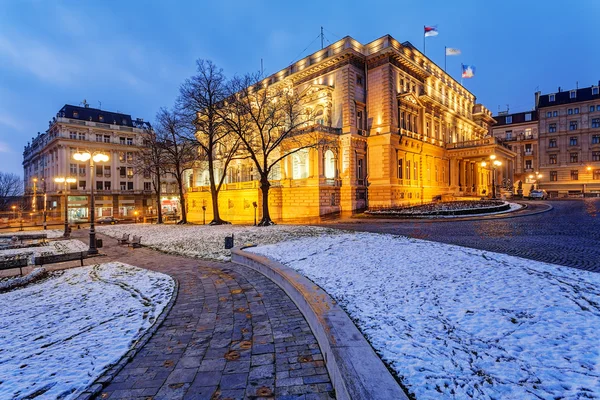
x,y
57,258
124,239
136,242
14,263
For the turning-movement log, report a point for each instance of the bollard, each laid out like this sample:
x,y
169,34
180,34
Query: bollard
x,y
229,242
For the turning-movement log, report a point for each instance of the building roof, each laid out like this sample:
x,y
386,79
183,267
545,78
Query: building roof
x,y
564,97
101,116
517,118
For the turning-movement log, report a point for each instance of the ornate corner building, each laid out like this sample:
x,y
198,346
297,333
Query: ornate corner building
x,y
119,190
406,132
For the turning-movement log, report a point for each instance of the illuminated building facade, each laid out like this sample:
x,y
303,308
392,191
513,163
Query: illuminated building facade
x,y
118,190
520,132
405,133
570,142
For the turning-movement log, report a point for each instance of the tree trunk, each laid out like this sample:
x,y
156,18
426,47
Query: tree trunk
x,y
264,187
182,200
158,204
214,193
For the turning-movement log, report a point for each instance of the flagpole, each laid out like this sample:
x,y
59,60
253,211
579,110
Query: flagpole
x,y
445,56
461,70
424,39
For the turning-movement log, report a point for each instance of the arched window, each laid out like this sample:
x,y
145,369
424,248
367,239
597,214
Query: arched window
x,y
300,165
205,179
329,164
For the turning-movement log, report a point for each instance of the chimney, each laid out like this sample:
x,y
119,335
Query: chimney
x,y
537,99
559,89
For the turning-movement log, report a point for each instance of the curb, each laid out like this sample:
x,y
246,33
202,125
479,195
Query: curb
x,y
103,380
355,370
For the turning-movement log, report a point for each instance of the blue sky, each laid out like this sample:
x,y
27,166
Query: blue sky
x,y
132,55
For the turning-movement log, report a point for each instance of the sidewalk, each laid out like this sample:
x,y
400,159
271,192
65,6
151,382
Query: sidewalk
x,y
232,333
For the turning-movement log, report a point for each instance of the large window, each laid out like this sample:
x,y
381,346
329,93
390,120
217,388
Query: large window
x,y
528,163
596,139
99,170
329,164
552,128
130,172
300,164
574,175
596,123
595,155
399,170
147,186
573,125
553,176
552,143
73,169
552,159
573,141
574,157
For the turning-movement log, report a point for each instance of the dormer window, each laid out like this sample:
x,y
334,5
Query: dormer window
x,y
551,97
573,94
124,121
100,118
595,90
528,117
509,119
75,114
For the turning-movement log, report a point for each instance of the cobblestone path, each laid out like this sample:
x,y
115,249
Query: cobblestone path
x,y
231,334
567,235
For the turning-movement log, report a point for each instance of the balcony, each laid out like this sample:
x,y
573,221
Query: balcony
x,y
528,153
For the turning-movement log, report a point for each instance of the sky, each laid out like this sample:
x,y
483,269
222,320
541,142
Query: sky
x,y
131,56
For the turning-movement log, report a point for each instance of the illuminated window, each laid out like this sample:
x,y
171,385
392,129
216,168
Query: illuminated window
x,y
574,157
552,159
300,165
574,175
573,125
329,164
596,174
553,176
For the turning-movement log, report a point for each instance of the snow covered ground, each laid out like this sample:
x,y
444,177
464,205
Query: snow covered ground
x,y
59,335
455,322
55,247
205,241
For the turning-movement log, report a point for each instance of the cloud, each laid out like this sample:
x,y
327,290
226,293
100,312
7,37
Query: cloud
x,y
4,148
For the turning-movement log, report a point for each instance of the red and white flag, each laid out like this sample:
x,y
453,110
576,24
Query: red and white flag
x,y
430,31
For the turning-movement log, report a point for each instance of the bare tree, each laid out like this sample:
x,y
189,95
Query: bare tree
x,y
272,124
11,186
149,162
179,154
200,98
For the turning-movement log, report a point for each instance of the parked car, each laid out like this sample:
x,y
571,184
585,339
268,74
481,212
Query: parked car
x,y
107,220
538,195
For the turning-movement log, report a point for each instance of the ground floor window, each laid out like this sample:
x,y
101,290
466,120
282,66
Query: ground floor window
x,y
574,175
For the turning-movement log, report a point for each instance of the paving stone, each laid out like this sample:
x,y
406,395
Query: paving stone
x,y
220,338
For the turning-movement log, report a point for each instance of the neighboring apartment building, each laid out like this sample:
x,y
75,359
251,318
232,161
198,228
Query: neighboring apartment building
x,y
569,130
118,190
520,132
406,132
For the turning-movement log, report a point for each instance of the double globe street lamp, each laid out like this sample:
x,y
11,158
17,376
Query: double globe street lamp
x,y
538,176
493,164
92,157
67,181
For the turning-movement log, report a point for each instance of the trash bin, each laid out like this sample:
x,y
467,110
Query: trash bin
x,y
229,242
98,243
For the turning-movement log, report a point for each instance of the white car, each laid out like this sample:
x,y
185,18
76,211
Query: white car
x,y
538,195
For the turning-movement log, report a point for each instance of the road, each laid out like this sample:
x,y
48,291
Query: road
x,y
569,234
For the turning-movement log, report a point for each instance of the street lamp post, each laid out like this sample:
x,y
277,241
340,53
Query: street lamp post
x,y
66,181
34,195
92,157
14,208
493,163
